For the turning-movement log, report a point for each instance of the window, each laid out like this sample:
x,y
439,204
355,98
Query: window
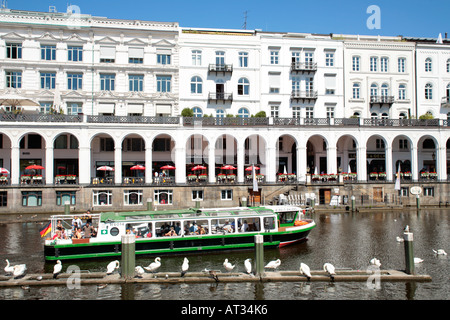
x,y
13,79
106,144
74,108
296,112
243,59
309,84
330,112
309,112
107,82
220,58
379,143
295,85
48,52
402,92
373,64
355,63
384,64
220,113
373,90
274,111
356,90
428,191
161,144
428,65
329,59
48,80
107,54
448,66
31,198
197,112
401,65
3,198
404,191
74,81
136,55
163,83
226,195
66,196
136,82
102,197
403,144
132,197
163,197
196,85
45,107
196,58
74,53
374,115
243,87
197,195
14,51
243,113
428,91
309,59
384,90
163,59
133,144
274,56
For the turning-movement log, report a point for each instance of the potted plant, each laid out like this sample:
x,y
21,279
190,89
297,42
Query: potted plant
x,y
221,176
192,177
382,175
203,177
373,175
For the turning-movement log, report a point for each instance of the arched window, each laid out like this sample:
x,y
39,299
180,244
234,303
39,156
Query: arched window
x,y
374,115
429,91
402,92
356,90
402,115
243,113
196,85
384,90
384,115
243,87
428,65
373,90
220,113
197,112
357,114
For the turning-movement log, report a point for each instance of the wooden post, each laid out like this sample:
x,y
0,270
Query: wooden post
x,y
128,256
418,202
149,204
67,207
353,203
259,255
409,252
244,201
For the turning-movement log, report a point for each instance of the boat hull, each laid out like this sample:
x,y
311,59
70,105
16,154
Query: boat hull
x,y
175,245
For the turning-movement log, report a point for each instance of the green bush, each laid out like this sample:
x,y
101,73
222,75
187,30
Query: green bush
x,y
187,112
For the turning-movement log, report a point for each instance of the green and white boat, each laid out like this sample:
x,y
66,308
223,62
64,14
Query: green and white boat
x,y
179,231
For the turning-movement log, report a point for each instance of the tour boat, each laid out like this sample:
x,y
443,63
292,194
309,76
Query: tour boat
x,y
178,231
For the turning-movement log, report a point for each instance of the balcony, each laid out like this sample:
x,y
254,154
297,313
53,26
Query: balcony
x,y
381,100
223,68
220,97
303,96
297,66
445,102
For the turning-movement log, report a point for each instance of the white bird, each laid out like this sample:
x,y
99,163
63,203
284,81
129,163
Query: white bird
x,y
57,269
227,265
19,270
406,228
328,267
112,266
400,239
184,267
8,269
304,269
375,262
248,266
439,251
152,267
273,264
418,260
140,271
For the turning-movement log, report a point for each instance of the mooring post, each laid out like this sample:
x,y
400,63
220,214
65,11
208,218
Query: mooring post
x,y
259,255
128,256
149,204
244,201
418,202
353,203
409,252
67,207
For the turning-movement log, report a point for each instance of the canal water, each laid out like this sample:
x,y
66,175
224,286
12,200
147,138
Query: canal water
x,y
347,240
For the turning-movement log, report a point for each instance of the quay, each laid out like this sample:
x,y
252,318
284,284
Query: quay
x,y
101,278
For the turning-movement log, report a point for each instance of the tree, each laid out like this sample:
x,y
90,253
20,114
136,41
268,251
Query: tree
x,y
426,116
187,112
261,114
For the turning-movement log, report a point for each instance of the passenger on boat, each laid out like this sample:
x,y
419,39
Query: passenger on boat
x,y
244,227
171,233
59,225
201,230
193,228
227,227
77,234
63,234
88,230
178,228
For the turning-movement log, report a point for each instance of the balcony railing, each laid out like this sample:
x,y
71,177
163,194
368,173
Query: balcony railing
x,y
220,96
382,99
303,95
11,117
211,121
297,66
133,119
220,68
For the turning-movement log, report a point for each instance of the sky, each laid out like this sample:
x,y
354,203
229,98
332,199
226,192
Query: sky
x,y
412,18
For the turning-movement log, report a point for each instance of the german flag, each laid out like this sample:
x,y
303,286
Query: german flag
x,y
46,229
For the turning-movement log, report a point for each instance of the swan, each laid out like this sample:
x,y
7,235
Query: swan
x,y
418,260
273,264
439,251
57,269
228,265
140,271
304,269
112,266
152,267
400,239
8,269
184,267
328,267
248,266
19,270
375,262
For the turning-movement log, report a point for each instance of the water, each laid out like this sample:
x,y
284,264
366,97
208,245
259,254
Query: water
x,y
347,240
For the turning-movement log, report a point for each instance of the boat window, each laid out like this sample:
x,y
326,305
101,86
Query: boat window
x,y
139,229
269,223
196,227
114,231
250,224
222,226
287,217
168,228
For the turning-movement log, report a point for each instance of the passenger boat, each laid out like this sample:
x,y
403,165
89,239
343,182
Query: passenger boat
x,y
178,231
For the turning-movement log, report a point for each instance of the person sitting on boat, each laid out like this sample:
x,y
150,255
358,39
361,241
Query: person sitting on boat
x,y
193,228
171,233
77,234
244,227
227,227
178,229
201,230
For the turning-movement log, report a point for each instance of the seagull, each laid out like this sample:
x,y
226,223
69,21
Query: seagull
x,y
57,269
112,266
248,266
328,267
140,271
406,229
152,267
418,260
400,239
375,262
273,264
19,270
227,265
304,269
8,269
439,251
184,267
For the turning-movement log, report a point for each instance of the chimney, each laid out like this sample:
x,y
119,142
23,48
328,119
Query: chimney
x,y
446,35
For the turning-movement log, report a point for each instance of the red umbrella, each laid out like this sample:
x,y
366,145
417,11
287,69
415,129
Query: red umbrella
x,y
198,168
228,167
137,167
105,168
168,167
4,171
251,168
34,167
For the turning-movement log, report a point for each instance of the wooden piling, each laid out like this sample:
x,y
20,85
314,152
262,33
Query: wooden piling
x,y
128,256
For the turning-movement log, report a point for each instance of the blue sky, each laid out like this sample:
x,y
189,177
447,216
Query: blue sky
x,y
398,17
